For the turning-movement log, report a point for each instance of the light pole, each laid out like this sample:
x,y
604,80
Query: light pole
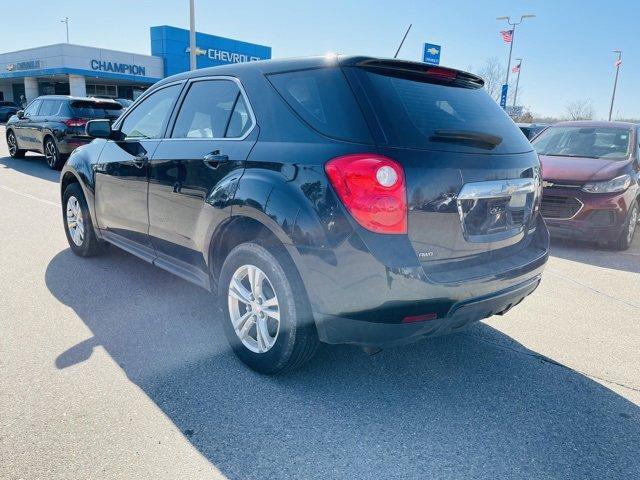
x,y
192,36
66,22
615,82
513,36
515,93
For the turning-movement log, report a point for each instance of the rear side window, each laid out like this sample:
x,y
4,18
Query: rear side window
x,y
323,99
416,113
50,108
212,109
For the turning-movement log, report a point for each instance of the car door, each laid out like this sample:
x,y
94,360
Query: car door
x,y
195,171
39,122
24,127
121,172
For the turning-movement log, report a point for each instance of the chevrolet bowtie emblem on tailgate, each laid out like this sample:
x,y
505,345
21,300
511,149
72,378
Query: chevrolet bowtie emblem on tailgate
x,y
546,184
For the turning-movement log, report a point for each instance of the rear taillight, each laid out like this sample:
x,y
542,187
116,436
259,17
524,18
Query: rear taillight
x,y
75,122
443,74
372,188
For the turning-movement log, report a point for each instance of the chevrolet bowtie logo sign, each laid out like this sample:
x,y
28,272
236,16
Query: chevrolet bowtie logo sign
x,y
199,51
433,51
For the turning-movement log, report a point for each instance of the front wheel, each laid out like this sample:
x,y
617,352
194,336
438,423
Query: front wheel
x,y
77,223
629,230
267,317
12,143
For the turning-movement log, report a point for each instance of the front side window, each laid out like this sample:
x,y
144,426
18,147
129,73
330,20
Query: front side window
x,y
32,109
590,142
212,109
150,116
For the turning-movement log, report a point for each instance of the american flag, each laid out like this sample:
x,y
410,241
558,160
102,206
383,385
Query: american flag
x,y
516,69
507,35
618,63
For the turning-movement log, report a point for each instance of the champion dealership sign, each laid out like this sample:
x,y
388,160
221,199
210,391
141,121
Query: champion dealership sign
x,y
114,67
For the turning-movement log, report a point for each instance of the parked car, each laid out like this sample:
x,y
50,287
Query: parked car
x,y
336,199
7,109
591,180
54,125
530,130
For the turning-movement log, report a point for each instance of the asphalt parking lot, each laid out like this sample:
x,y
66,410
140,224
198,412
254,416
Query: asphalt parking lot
x,y
112,368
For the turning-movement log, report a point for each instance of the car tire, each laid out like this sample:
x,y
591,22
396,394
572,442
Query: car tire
x,y
629,230
12,144
272,331
52,155
77,223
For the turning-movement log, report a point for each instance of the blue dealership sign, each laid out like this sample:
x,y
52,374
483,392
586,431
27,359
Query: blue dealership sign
x,y
172,44
503,96
431,54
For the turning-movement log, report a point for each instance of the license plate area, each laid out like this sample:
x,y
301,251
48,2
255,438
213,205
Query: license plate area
x,y
495,210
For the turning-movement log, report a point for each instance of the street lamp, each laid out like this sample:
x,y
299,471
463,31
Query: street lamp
x,y
615,82
66,22
513,36
192,36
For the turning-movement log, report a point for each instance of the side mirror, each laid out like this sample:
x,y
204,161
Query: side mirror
x,y
99,128
20,114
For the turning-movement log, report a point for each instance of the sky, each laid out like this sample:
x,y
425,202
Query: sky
x,y
567,48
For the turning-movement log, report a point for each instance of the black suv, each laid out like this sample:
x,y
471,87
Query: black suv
x,y
7,109
336,199
54,125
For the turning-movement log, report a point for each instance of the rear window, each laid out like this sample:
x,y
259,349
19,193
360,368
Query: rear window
x,y
89,109
324,100
414,113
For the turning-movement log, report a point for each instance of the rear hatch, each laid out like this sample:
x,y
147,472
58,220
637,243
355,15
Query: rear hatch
x,y
472,177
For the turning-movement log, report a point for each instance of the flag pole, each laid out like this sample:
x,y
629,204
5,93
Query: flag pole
x,y
615,82
513,37
515,93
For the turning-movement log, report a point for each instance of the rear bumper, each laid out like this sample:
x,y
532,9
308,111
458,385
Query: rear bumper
x,y
68,144
358,298
333,329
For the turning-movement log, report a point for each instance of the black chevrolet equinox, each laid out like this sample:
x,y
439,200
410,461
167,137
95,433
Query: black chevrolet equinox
x,y
331,199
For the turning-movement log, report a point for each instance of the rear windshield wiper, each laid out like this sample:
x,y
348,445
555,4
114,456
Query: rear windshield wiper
x,y
466,137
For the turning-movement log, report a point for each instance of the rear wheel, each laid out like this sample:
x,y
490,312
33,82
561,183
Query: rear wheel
x,y
267,317
52,155
629,229
12,144
77,223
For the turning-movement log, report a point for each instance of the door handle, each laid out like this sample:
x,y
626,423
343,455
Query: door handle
x,y
214,159
140,160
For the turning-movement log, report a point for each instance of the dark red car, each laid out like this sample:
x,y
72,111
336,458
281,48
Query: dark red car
x,y
591,173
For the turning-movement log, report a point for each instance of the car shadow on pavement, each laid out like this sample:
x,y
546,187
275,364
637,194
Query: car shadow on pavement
x,y
591,254
471,405
33,165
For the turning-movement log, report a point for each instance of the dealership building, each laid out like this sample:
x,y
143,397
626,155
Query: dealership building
x,y
67,69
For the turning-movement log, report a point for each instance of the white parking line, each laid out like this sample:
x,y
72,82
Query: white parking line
x,y
29,196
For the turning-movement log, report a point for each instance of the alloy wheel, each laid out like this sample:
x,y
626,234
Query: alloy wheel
x,y
75,222
50,153
254,309
12,143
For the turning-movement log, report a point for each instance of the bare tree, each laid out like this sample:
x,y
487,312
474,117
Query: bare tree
x,y
493,73
579,109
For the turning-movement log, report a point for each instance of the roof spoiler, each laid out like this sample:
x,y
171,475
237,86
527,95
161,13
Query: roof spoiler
x,y
432,72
